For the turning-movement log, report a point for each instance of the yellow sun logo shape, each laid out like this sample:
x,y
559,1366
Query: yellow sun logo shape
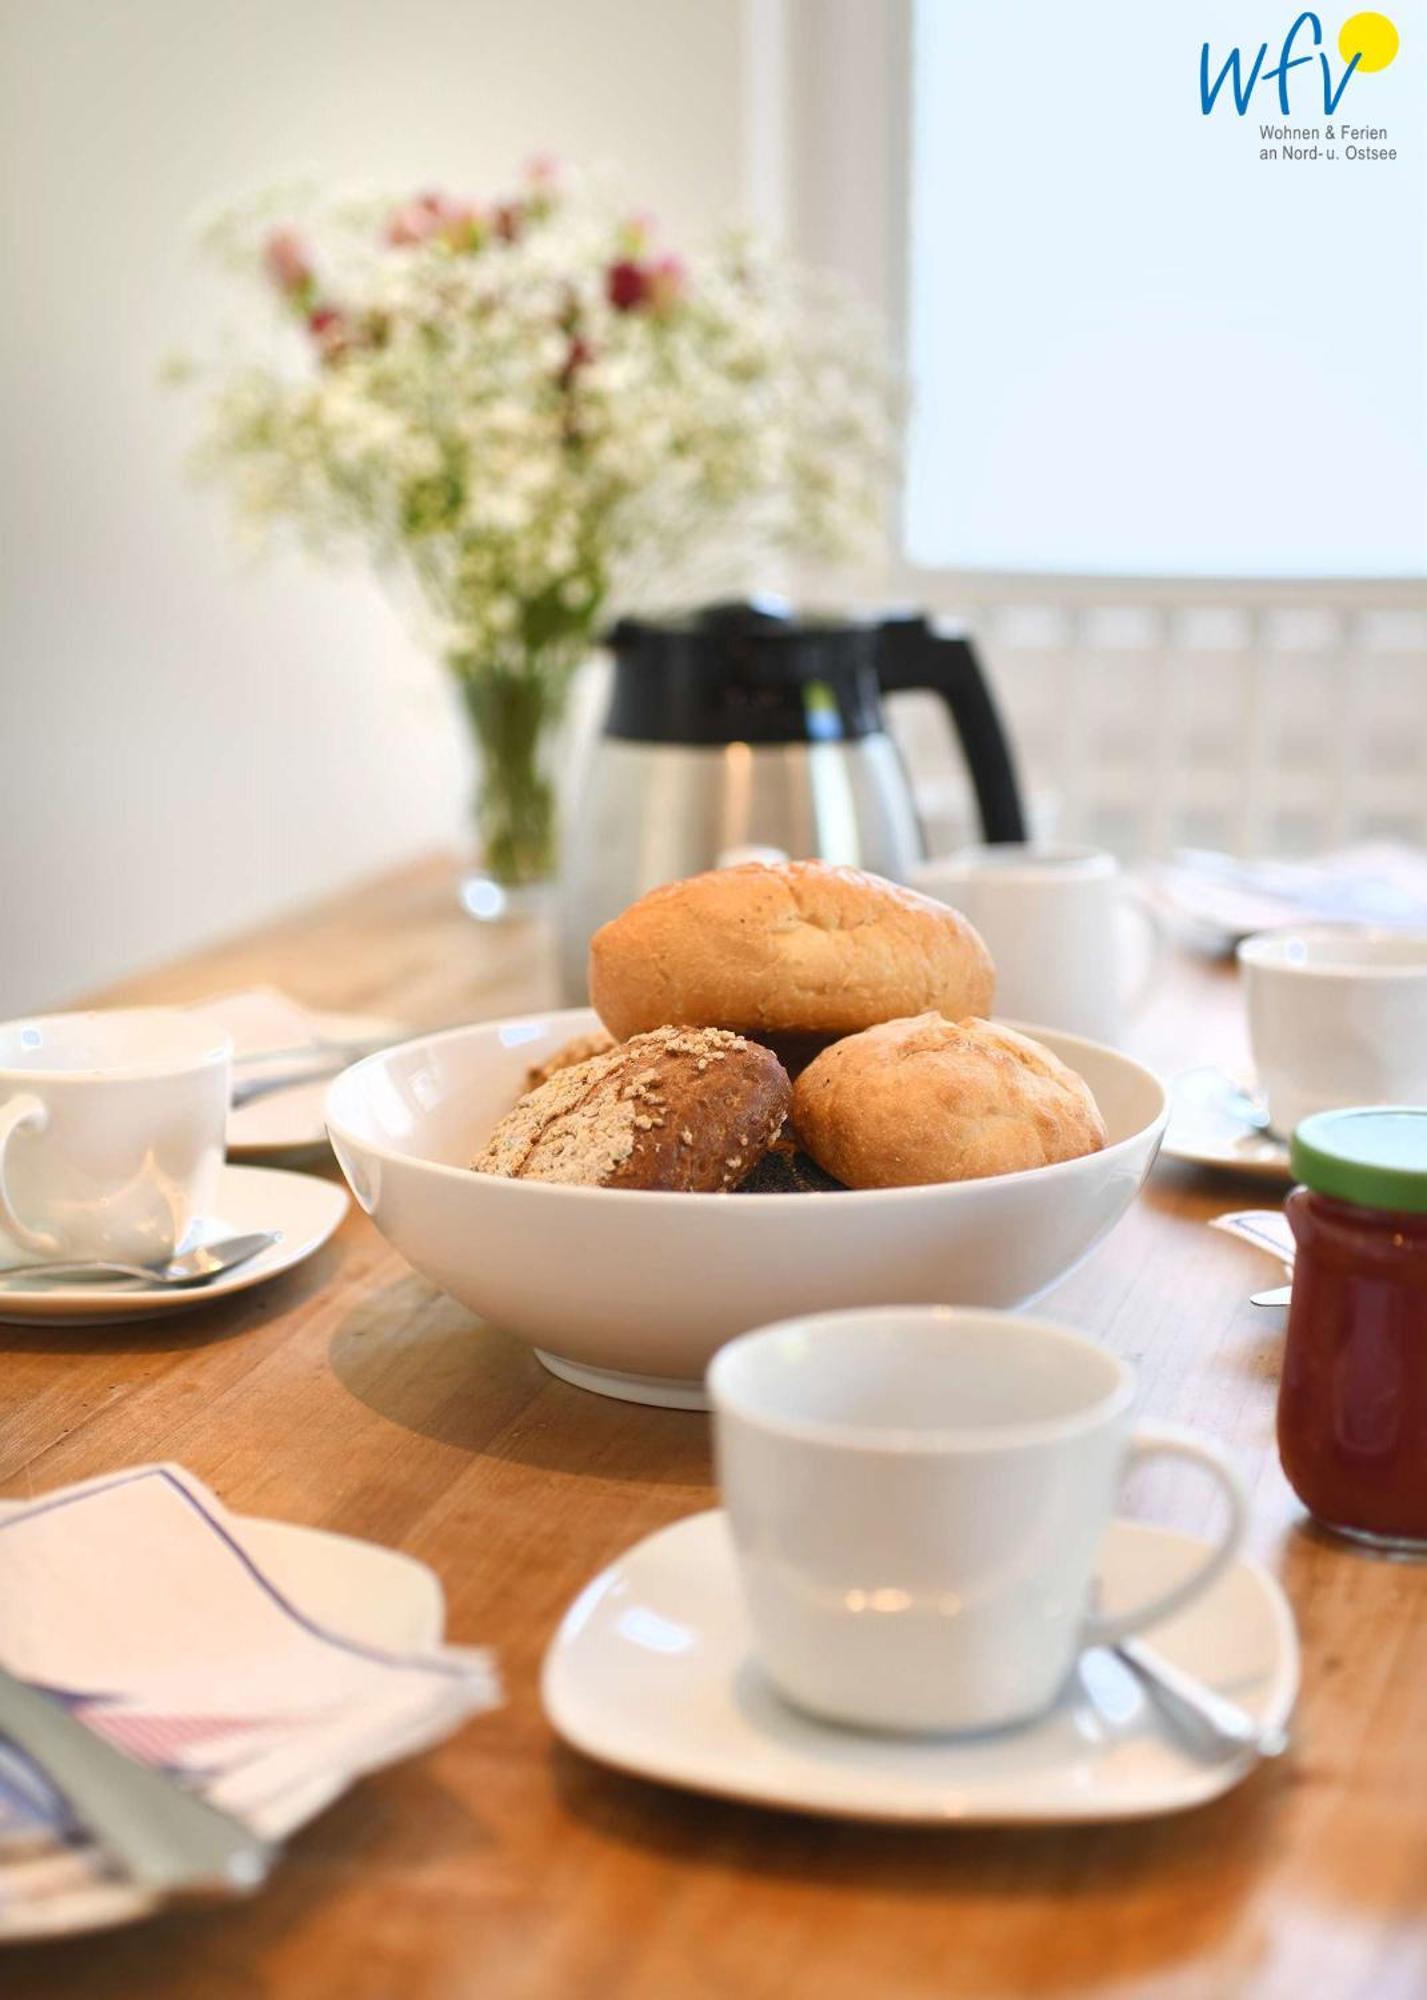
x,y
1372,38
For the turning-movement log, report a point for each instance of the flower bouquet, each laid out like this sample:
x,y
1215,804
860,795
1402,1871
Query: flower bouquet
x,y
540,417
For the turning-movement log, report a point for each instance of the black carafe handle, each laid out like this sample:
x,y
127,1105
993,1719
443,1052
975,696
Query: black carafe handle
x,y
911,655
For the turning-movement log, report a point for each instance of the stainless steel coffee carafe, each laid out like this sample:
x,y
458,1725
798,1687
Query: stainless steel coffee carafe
x,y
743,728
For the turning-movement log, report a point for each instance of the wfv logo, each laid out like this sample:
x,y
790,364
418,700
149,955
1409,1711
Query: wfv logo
x,y
1366,41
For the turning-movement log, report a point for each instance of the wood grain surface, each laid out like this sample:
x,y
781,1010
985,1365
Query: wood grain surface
x,y
349,1395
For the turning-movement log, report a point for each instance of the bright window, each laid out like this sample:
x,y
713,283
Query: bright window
x,y
1137,346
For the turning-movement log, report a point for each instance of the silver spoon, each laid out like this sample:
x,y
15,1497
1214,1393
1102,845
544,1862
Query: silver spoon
x,y
327,1059
1209,1723
1243,1105
194,1267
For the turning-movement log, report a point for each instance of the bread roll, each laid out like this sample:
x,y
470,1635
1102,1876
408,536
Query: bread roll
x,y
925,1100
796,949
567,1055
690,1109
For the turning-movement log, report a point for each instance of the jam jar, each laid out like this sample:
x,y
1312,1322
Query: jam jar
x,y
1352,1405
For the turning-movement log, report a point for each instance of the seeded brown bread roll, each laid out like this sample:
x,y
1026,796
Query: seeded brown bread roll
x,y
797,949
688,1109
928,1099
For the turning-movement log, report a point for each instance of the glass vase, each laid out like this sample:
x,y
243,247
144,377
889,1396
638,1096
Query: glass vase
x,y
515,711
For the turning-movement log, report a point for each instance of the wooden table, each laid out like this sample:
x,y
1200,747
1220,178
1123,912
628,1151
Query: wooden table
x,y
350,1396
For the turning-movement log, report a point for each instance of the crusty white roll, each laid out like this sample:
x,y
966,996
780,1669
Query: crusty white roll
x,y
912,1102
796,949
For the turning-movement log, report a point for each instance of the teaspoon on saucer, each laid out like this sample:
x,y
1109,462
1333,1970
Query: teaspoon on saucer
x,y
1208,1722
193,1267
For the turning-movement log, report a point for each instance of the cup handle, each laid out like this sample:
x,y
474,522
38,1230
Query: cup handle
x,y
1168,1441
1136,905
22,1114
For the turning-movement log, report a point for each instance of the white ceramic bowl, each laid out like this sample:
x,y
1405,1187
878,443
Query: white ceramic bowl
x,y
630,1293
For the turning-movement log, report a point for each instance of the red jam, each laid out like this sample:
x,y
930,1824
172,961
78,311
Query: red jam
x,y
1352,1408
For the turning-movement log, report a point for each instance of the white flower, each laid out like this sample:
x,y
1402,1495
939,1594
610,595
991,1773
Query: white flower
x,y
490,416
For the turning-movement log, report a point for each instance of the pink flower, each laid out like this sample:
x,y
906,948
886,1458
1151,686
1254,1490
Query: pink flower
x,y
659,286
287,263
415,220
411,223
463,226
328,327
627,285
666,283
458,223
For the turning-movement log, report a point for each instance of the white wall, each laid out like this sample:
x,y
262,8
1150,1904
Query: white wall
x,y
187,744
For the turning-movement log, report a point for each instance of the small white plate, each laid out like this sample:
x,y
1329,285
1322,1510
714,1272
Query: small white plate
x,y
304,1208
370,1595
1207,1129
651,1671
286,1123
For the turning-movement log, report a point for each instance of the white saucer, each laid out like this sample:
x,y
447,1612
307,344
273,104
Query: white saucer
x,y
372,1596
651,1672
305,1209
288,1123
1207,1129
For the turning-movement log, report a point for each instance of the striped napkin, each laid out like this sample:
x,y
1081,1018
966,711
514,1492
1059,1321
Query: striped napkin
x,y
266,1666
1266,1228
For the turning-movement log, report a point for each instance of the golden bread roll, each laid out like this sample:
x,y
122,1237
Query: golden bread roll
x,y
912,1102
689,1109
797,949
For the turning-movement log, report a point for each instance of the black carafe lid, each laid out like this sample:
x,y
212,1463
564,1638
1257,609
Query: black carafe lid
x,y
744,673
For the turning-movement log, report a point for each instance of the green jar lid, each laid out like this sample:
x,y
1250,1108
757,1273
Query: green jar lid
x,y
1375,1157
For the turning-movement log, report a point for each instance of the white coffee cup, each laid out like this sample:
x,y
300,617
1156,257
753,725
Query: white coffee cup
x,y
918,1496
111,1132
1337,1017
1074,946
